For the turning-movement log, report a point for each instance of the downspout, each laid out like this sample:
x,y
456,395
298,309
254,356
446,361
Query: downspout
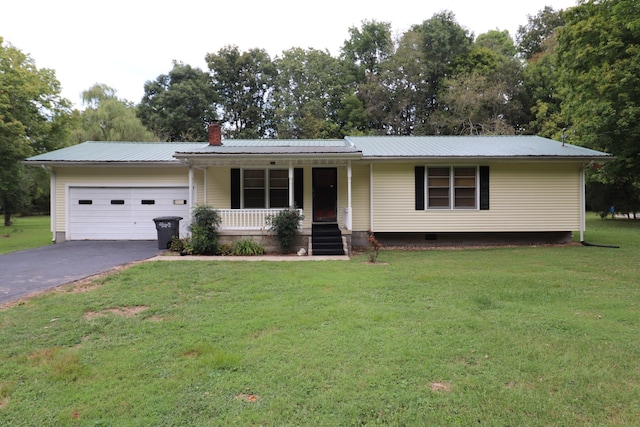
x,y
371,197
583,223
348,223
52,203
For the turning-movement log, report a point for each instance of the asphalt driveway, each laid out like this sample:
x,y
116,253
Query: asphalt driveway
x,y
26,272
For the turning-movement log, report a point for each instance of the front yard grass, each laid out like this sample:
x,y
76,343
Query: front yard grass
x,y
501,336
25,233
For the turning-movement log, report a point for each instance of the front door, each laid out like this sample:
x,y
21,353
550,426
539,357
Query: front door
x,y
325,194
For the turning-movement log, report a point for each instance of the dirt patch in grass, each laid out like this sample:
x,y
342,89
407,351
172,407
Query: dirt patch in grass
x,y
118,311
438,387
251,398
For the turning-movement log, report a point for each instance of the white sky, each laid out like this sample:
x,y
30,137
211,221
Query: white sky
x,y
124,43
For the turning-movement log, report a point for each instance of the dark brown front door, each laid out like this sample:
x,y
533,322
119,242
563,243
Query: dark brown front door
x,y
325,195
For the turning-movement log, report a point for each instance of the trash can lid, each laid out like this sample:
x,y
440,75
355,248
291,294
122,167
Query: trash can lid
x,y
168,218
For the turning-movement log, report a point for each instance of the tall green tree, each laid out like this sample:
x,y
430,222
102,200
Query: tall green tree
x,y
34,119
179,106
483,97
540,97
445,45
244,84
599,65
365,54
532,37
308,93
108,118
368,47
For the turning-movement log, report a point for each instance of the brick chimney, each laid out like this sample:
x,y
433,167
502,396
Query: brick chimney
x,y
215,134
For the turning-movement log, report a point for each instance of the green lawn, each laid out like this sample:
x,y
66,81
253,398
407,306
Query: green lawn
x,y
502,336
25,233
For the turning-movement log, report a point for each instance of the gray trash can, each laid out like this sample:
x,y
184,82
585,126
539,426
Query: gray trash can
x,y
167,227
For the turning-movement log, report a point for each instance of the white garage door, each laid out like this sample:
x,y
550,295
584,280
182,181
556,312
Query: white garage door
x,y
124,213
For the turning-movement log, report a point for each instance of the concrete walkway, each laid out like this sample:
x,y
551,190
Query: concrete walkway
x,y
276,258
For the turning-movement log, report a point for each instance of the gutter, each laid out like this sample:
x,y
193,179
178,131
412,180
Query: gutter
x,y
84,163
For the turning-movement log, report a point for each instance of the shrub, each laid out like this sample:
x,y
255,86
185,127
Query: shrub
x,y
204,231
285,226
226,249
247,247
374,247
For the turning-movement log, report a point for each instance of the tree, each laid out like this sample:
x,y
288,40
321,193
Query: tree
x,y
537,45
308,94
107,118
531,38
599,68
244,84
33,119
445,46
179,106
368,47
483,96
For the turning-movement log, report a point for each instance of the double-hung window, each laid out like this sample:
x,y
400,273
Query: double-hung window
x,y
265,188
452,187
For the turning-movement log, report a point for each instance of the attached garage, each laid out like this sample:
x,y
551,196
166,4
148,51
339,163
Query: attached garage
x,y
123,213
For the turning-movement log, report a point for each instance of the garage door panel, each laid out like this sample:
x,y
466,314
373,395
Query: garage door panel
x,y
113,213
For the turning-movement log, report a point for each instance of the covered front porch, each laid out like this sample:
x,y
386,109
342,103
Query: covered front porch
x,y
247,188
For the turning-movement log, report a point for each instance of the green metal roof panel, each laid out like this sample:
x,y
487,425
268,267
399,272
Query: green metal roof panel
x,y
467,146
368,147
103,151
284,143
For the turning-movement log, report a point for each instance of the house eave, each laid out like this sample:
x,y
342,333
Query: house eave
x,y
114,163
438,159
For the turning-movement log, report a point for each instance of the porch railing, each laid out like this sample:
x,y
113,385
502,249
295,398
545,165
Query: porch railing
x,y
246,219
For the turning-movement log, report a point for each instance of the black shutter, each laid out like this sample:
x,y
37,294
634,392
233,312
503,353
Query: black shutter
x,y
484,188
419,172
235,188
298,187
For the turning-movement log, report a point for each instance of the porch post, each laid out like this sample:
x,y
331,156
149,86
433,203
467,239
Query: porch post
x,y
291,198
190,201
348,223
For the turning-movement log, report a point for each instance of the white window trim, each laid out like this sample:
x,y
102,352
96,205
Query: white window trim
x,y
451,206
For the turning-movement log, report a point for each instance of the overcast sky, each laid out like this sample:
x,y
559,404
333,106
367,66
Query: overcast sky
x,y
124,43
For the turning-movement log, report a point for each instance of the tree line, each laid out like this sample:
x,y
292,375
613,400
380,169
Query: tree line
x,y
569,74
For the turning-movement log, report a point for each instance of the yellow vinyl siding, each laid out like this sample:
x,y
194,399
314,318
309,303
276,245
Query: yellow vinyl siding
x,y
219,187
360,195
523,197
112,176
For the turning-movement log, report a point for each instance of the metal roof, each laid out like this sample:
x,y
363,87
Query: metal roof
x,y
468,146
282,143
127,152
365,147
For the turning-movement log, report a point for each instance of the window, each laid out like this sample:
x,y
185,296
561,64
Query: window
x,y
278,188
448,188
265,188
464,188
254,188
438,188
